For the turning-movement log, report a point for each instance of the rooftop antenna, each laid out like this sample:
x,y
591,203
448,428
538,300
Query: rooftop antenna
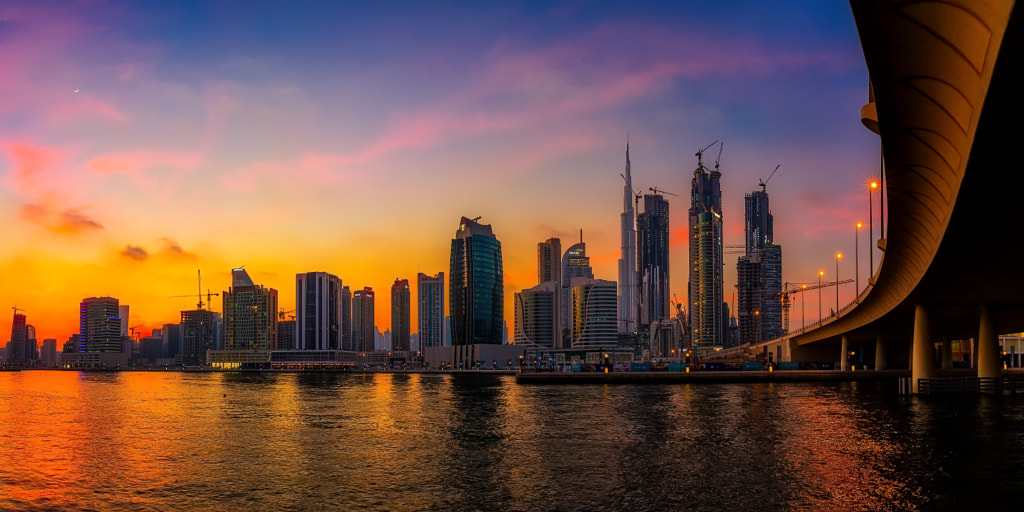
x,y
763,183
581,235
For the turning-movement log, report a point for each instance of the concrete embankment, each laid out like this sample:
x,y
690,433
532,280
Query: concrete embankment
x,y
717,377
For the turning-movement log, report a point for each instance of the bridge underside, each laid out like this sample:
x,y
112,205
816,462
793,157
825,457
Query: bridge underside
x,y
954,172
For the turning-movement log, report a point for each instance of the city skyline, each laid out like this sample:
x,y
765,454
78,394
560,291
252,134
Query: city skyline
x,y
159,149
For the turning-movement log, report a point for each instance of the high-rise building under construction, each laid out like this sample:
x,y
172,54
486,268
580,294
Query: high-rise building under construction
x,y
708,318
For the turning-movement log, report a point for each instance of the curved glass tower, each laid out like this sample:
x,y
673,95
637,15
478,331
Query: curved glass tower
x,y
476,285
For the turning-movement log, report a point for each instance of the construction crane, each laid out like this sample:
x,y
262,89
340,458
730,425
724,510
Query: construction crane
x,y
16,309
637,194
804,287
656,191
132,330
700,155
763,183
209,294
681,316
719,159
282,313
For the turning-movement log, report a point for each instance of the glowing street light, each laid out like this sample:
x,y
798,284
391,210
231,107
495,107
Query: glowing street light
x,y
839,256
803,310
856,256
821,273
871,232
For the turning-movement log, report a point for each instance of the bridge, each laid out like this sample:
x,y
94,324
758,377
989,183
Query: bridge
x,y
946,102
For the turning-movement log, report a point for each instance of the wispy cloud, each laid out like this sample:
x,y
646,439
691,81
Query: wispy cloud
x,y
133,252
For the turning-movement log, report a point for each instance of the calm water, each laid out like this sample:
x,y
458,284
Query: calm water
x,y
171,441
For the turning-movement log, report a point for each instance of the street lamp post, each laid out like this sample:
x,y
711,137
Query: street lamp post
x,y
803,311
820,273
856,256
871,232
839,255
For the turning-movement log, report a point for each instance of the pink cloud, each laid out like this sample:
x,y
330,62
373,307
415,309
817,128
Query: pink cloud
x,y
135,162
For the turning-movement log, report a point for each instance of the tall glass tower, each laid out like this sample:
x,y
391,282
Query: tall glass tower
x,y
627,294
652,257
476,285
708,325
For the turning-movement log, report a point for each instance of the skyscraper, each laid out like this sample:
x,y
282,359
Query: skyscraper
x,y
594,314
362,320
346,318
250,314
549,262
430,310
476,285
575,263
400,315
705,296
627,293
318,312
759,273
652,258
536,316
100,325
197,333
17,354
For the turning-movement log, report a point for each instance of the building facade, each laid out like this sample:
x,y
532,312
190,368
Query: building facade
x,y
197,336
759,273
549,260
401,319
476,285
627,294
318,312
100,325
430,310
363,331
346,318
537,322
653,261
594,314
707,310
250,315
575,263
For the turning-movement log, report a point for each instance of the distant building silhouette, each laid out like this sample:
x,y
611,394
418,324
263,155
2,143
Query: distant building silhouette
x,y
430,309
401,326
318,312
476,285
363,328
18,349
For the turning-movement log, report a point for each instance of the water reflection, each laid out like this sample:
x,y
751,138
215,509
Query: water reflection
x,y
164,440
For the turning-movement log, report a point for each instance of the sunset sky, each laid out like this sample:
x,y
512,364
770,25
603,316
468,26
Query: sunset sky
x,y
141,141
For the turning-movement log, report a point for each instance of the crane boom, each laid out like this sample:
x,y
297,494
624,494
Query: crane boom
x,y
700,154
787,290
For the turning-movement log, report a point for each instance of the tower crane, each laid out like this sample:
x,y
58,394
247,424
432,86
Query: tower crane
x,y
282,313
804,287
132,330
700,155
718,160
657,191
16,309
763,183
199,295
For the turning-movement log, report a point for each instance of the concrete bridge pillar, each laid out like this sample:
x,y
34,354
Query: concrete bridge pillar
x,y
879,353
988,346
844,359
922,364
947,354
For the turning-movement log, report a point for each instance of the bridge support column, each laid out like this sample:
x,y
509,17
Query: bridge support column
x,y
879,353
988,346
844,359
947,354
922,365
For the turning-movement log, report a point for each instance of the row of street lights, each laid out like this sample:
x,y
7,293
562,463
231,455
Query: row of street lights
x,y
872,186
